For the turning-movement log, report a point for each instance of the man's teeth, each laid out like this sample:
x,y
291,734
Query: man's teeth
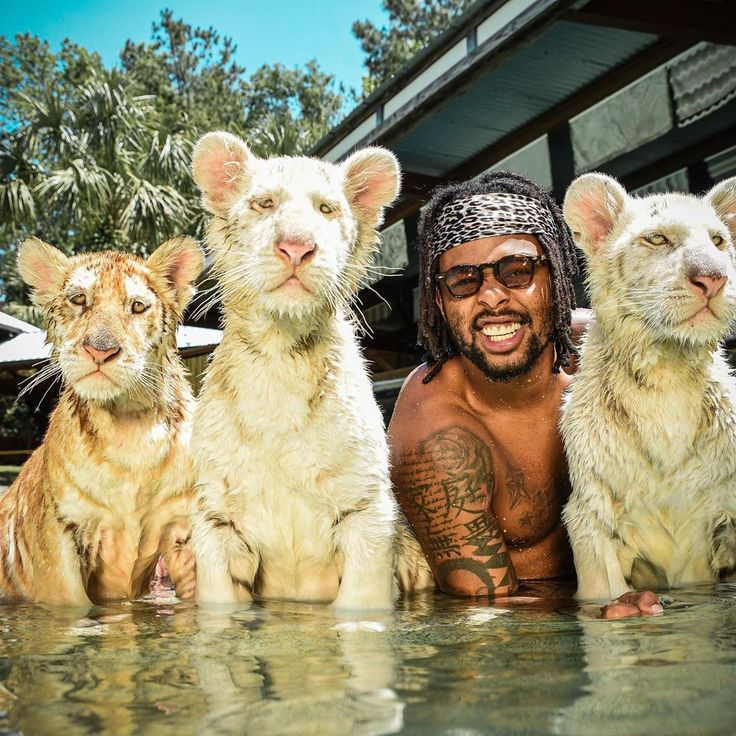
x,y
503,331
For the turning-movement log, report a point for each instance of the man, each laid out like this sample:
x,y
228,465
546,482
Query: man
x,y
478,462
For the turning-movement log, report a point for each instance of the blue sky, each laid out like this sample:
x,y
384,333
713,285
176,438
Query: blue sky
x,y
266,31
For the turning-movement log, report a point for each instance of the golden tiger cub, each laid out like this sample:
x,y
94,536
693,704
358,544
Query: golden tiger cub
x,y
109,490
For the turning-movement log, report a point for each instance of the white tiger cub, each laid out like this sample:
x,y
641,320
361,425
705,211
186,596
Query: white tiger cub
x,y
650,425
295,500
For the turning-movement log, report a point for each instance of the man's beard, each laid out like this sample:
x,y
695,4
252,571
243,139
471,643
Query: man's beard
x,y
505,373
508,373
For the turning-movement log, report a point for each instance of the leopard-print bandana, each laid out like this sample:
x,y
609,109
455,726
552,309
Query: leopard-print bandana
x,y
486,215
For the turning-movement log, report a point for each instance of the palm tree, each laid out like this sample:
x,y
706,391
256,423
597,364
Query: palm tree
x,y
94,171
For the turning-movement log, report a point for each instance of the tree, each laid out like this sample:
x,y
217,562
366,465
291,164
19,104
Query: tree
x,y
93,157
198,86
412,25
86,165
191,74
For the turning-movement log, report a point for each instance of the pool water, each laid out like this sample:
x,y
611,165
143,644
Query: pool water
x,y
434,666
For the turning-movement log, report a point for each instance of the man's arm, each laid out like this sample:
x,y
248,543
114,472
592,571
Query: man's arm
x,y
444,482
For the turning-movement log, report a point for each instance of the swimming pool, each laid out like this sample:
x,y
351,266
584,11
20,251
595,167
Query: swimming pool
x,y
435,666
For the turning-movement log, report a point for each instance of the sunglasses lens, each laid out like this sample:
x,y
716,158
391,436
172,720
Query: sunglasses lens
x,y
463,280
515,272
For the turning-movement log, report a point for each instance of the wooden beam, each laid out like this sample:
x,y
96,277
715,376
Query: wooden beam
x,y
561,159
696,20
418,186
597,90
403,208
680,159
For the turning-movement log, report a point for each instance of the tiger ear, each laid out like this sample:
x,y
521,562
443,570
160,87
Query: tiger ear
x,y
722,197
178,261
593,204
220,168
42,267
372,181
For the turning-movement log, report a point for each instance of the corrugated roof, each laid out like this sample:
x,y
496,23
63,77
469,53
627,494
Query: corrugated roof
x,y
456,28
703,80
29,348
564,60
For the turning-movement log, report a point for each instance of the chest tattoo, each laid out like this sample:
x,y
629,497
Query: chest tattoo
x,y
516,487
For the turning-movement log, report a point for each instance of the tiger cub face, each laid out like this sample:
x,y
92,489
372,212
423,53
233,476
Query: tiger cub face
x,y
111,317
665,262
292,237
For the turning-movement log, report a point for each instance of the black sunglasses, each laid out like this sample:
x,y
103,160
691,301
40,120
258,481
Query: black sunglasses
x,y
513,272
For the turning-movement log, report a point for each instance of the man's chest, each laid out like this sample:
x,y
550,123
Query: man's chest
x,y
531,485
529,507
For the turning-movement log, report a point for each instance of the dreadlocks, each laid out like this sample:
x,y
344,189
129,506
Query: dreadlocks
x,y
434,334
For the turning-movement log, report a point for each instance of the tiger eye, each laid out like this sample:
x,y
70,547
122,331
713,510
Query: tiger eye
x,y
265,203
656,239
326,209
138,307
717,240
78,299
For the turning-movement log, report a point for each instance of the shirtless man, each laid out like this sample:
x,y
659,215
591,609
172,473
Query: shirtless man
x,y
478,462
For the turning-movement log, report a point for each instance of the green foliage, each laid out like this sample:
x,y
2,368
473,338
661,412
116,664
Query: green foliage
x,y
412,25
18,421
95,158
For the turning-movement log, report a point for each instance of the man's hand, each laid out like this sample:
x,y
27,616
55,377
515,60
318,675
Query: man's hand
x,y
633,604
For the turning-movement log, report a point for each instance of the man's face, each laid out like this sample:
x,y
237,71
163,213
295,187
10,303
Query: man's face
x,y
502,331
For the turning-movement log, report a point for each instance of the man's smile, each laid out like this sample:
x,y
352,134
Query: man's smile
x,y
501,331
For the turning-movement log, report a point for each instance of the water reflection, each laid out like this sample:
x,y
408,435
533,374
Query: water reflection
x,y
436,665
282,668
674,673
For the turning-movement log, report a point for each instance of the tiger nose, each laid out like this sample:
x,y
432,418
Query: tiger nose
x,y
294,250
101,356
708,285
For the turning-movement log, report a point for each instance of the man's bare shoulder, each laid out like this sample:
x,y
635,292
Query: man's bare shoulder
x,y
443,476
425,408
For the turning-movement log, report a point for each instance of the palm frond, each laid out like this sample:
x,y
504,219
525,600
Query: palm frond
x,y
17,205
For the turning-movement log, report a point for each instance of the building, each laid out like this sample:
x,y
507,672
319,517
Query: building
x,y
11,326
644,91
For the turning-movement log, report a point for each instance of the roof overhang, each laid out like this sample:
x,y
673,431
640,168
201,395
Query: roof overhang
x,y
14,326
506,73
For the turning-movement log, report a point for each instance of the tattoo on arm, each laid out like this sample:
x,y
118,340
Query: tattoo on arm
x,y
444,487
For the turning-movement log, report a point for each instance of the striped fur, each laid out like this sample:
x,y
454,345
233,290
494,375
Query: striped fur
x,y
650,424
109,489
294,496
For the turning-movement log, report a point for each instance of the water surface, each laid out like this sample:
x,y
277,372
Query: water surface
x,y
435,666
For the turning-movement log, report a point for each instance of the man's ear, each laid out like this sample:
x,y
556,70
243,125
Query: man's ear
x,y
438,302
372,181
41,266
593,204
178,262
723,200
220,168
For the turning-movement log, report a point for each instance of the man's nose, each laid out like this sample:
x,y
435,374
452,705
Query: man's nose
x,y
492,293
295,250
